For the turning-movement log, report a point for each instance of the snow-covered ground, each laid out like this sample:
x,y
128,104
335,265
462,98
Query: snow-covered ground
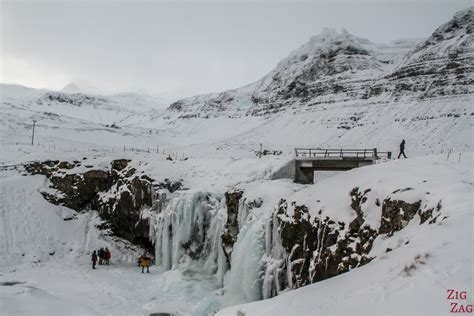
x,y
45,260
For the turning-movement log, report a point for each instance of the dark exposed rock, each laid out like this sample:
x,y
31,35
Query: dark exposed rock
x,y
44,168
402,190
66,165
124,211
428,214
120,164
127,195
358,199
317,248
170,185
75,99
300,239
396,214
231,228
80,190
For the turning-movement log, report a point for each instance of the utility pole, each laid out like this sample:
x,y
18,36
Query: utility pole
x,y
33,135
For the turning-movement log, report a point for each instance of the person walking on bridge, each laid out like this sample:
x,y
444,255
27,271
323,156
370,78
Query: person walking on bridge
x,y
402,149
94,259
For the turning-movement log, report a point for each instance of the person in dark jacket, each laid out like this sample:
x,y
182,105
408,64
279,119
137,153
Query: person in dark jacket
x,y
101,256
402,149
94,259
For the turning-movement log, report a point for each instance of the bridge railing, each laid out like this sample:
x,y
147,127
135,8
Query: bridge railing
x,y
371,153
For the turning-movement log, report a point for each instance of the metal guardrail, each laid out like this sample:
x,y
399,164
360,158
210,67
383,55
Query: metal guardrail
x,y
371,153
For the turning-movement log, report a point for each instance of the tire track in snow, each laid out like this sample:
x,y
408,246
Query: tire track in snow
x,y
5,216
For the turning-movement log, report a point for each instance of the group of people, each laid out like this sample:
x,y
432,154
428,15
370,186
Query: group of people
x,y
102,255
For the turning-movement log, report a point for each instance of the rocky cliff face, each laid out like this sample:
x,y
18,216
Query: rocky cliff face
x,y
340,67
119,194
440,66
321,248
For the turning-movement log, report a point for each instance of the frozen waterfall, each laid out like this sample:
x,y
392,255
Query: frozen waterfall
x,y
188,235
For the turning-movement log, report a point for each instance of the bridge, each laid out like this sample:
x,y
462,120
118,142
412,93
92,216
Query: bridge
x,y
309,160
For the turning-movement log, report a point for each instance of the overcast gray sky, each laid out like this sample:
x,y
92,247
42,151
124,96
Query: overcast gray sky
x,y
186,48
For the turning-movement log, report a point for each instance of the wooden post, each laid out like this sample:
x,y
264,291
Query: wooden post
x,y
375,153
33,135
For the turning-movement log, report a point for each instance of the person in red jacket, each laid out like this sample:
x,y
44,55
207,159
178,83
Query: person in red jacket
x,y
107,256
94,259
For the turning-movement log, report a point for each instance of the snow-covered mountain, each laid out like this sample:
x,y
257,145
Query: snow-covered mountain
x,y
71,102
338,67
